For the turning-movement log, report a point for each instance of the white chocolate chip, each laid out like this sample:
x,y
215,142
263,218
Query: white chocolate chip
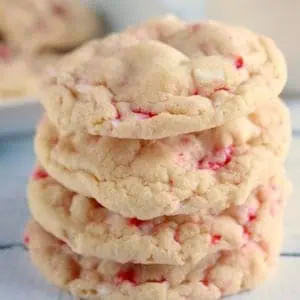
x,y
104,290
207,76
115,123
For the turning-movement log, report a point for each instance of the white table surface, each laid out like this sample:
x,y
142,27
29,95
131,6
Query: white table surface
x,y
20,281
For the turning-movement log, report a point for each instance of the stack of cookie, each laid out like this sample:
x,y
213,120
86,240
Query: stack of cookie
x,y
161,164
44,31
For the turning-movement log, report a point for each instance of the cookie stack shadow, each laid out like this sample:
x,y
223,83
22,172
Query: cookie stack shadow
x,y
161,164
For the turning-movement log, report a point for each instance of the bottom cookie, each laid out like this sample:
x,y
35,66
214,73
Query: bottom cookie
x,y
217,275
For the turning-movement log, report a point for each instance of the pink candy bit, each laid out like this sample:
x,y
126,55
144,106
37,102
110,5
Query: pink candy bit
x,y
205,282
128,275
5,53
215,239
136,222
239,62
59,10
39,174
195,27
171,182
26,240
145,114
195,92
146,227
246,233
118,116
220,159
185,139
251,217
177,235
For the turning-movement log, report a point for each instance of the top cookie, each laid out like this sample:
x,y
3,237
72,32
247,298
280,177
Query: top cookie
x,y
160,80
46,24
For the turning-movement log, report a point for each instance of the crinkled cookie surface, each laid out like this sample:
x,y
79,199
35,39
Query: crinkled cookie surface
x,y
91,230
217,275
155,80
199,172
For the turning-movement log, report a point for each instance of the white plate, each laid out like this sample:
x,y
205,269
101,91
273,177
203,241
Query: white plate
x,y
19,115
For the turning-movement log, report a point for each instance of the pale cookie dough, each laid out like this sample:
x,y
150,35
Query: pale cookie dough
x,y
194,79
217,275
91,230
38,25
200,172
20,75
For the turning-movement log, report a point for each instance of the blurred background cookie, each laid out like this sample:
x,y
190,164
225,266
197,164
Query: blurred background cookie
x,y
45,30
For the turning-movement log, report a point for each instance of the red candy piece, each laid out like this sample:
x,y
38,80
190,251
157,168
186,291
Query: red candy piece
x,y
220,159
59,10
205,282
177,235
128,275
26,240
39,174
185,139
246,233
216,239
136,222
118,114
5,53
147,114
195,92
239,62
118,117
251,217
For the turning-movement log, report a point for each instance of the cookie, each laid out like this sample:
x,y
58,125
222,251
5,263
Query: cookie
x,y
91,230
200,172
149,89
20,74
17,79
47,24
217,275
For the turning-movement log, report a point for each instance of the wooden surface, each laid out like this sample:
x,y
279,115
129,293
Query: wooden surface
x,y
20,281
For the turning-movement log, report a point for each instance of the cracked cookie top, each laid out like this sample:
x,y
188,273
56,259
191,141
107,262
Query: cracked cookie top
x,y
92,230
155,81
217,275
196,172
